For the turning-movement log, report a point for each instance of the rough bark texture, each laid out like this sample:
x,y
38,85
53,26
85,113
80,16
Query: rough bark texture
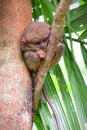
x,y
15,83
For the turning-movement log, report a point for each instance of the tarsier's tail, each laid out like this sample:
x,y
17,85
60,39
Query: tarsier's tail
x,y
52,107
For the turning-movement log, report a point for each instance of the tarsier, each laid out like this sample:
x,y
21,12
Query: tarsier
x,y
34,43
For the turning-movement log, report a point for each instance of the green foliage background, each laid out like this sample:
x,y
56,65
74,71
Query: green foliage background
x,y
65,84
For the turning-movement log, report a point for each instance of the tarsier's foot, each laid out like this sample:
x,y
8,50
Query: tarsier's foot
x,y
33,59
58,54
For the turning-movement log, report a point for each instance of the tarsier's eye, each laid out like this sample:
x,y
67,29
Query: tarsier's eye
x,y
37,43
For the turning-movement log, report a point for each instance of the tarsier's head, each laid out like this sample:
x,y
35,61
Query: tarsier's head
x,y
36,32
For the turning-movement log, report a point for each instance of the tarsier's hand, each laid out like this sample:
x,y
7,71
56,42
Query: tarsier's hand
x,y
34,43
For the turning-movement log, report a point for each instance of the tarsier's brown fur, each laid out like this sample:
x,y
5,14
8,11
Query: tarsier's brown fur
x,y
34,43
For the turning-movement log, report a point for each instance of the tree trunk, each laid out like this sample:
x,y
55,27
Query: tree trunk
x,y
15,83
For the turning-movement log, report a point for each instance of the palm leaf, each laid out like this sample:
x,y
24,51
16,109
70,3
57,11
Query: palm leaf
x,y
68,95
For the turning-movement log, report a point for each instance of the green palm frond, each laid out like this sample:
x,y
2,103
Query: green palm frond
x,y
65,84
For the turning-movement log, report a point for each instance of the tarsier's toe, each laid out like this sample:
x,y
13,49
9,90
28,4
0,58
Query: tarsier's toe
x,y
60,47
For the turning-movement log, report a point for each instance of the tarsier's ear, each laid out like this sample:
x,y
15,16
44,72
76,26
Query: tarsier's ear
x,y
22,40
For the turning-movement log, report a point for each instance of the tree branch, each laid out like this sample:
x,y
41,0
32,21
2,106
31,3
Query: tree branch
x,y
54,38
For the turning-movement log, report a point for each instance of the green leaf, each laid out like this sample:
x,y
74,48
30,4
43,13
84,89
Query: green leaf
x,y
78,18
78,86
83,35
38,123
78,12
80,23
68,98
84,53
36,9
67,104
47,8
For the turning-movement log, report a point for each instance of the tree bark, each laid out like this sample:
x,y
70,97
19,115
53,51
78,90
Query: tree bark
x,y
15,82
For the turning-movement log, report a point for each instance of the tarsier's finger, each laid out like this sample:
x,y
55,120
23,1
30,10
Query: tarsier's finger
x,y
58,54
